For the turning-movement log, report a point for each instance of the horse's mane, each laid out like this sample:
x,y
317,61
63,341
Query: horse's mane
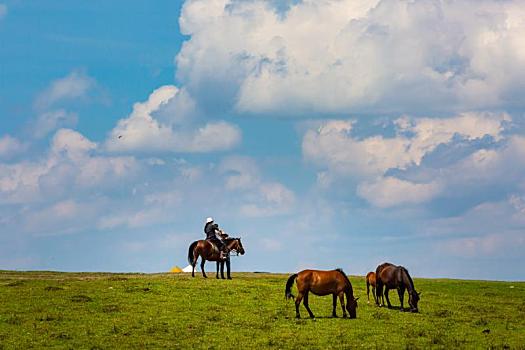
x,y
408,276
340,270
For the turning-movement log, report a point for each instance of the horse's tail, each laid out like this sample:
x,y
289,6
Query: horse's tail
x,y
288,291
368,288
190,252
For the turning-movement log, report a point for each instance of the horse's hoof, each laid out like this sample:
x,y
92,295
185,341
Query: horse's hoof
x,y
229,278
297,317
334,316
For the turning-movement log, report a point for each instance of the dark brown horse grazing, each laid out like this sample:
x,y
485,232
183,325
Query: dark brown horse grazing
x,y
333,282
395,277
371,281
378,270
208,251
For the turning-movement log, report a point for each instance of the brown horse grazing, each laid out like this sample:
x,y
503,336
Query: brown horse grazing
x,y
378,270
371,281
208,251
396,277
333,282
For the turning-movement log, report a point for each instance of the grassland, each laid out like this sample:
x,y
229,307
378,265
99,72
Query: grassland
x,y
101,311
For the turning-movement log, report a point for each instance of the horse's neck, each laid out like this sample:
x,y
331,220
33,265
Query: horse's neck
x,y
407,280
230,244
348,288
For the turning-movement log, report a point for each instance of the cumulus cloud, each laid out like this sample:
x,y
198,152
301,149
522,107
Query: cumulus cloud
x,y
75,85
390,191
163,123
53,120
340,154
334,147
351,56
69,165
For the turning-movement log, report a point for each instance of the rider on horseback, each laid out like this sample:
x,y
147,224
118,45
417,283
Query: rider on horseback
x,y
213,234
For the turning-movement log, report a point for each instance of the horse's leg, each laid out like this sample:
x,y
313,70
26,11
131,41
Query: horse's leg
x,y
401,293
342,301
379,294
308,306
374,292
368,291
334,305
222,269
228,268
203,261
217,275
195,257
297,303
387,298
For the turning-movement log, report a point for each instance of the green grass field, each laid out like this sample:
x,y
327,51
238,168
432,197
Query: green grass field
x,y
101,311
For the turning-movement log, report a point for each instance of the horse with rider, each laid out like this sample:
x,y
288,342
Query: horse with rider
x,y
216,247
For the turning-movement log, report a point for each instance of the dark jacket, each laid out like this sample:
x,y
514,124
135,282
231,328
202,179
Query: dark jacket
x,y
209,230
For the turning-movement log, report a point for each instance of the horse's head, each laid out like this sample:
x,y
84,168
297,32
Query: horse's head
x,y
351,307
237,246
413,298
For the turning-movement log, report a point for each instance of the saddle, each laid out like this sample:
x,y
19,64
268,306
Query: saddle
x,y
213,242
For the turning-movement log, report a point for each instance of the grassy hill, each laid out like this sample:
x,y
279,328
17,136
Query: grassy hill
x,y
100,311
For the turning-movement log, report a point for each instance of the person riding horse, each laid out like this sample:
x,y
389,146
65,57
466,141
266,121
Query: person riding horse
x,y
215,236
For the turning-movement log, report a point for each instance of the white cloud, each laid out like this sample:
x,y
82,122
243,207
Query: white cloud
x,y
75,85
258,198
158,125
69,166
345,55
271,199
52,120
10,146
390,191
334,147
339,154
241,173
71,144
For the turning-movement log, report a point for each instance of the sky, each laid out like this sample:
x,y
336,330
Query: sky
x,y
326,134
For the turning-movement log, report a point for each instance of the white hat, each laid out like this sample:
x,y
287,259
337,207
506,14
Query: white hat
x,y
208,220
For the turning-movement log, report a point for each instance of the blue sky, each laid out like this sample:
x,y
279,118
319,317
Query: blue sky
x,y
326,134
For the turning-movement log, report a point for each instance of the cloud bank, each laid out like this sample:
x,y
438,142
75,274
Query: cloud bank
x,y
394,170
345,56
